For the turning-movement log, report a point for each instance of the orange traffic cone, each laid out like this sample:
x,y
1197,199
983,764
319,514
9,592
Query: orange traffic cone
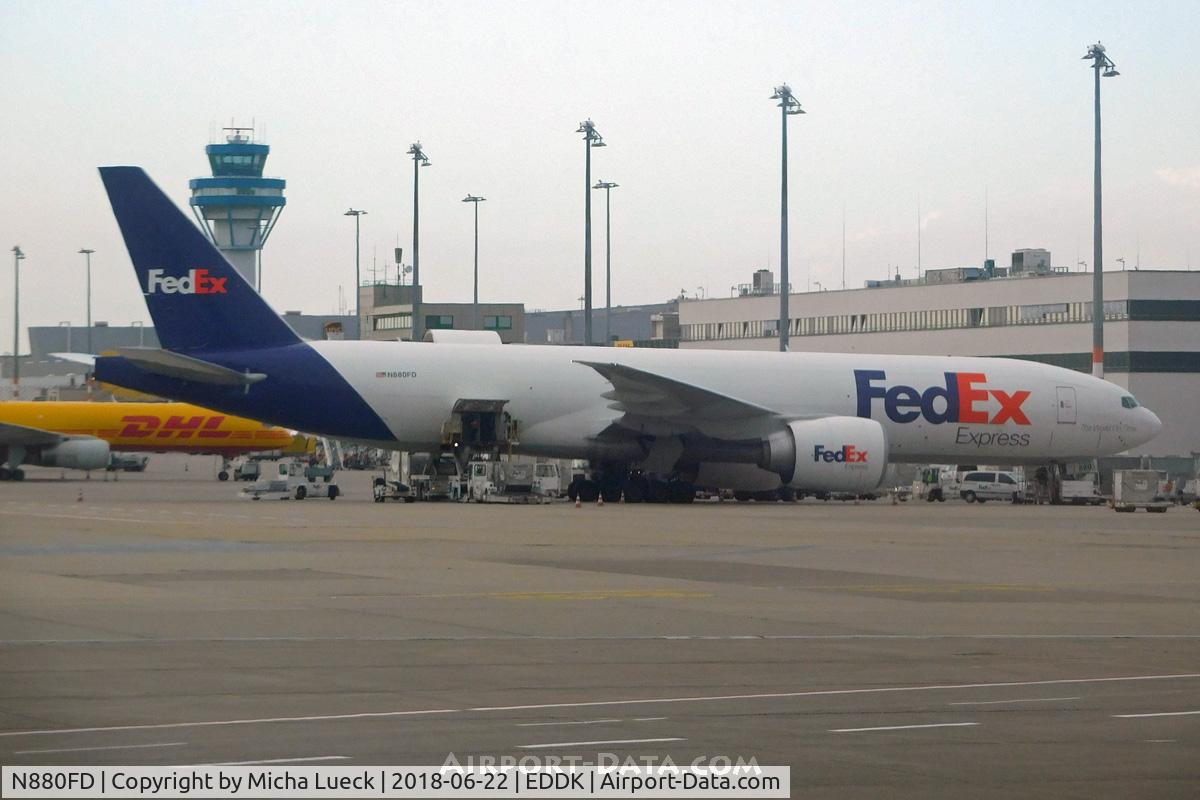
x,y
578,502
599,499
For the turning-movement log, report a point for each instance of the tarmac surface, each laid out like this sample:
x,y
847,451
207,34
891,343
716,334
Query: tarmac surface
x,y
917,650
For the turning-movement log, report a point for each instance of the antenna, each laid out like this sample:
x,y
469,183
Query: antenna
x,y
985,224
918,236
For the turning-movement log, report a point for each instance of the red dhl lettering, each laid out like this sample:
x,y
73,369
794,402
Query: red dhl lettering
x,y
144,426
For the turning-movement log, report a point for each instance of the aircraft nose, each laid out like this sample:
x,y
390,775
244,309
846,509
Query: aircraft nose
x,y
1153,423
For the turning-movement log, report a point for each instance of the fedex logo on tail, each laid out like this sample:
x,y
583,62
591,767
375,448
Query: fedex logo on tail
x,y
964,398
846,454
197,281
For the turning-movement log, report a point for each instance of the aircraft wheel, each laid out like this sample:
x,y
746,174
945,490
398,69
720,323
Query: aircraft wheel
x,y
333,492
611,492
301,492
222,475
5,474
635,490
587,491
18,474
742,497
787,494
681,492
658,492
969,497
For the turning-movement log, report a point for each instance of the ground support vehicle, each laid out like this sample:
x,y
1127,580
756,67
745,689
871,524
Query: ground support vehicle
x,y
502,482
1081,492
1138,488
935,482
126,462
292,483
436,477
981,486
385,488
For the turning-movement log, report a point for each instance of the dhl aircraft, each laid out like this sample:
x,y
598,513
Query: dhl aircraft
x,y
653,423
80,435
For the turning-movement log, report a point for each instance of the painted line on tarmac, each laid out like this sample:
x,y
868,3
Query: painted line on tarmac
x,y
905,727
595,703
218,723
273,761
1005,702
832,692
580,722
590,744
831,637
90,749
1159,714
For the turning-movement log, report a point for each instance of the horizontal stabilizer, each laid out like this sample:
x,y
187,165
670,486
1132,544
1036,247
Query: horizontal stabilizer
x,y
176,365
87,359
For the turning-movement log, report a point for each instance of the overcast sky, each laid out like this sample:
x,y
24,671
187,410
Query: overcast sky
x,y
937,100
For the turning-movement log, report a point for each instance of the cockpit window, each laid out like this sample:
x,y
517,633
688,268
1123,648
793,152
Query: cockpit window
x,y
1129,401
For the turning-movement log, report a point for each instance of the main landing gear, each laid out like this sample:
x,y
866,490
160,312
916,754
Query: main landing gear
x,y
634,486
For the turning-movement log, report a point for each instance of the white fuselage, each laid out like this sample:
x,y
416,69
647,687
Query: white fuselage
x,y
1006,410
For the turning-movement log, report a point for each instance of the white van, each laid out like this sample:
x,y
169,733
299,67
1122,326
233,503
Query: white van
x,y
984,486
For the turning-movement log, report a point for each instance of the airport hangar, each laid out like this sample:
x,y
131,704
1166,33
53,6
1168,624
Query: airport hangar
x,y
1151,331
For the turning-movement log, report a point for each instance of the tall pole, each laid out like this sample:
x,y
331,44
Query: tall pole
x,y
356,213
419,160
918,237
17,258
591,138
1100,62
607,186
607,267
88,255
475,302
788,105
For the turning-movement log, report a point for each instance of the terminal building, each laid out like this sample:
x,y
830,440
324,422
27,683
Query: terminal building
x,y
1029,311
387,314
648,325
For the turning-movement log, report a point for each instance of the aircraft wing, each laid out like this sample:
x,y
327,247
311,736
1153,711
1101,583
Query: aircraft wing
x,y
659,405
21,435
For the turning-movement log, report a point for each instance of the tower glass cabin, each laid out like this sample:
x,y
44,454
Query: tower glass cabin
x,y
237,206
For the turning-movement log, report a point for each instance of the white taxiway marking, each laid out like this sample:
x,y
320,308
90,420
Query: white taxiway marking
x,y
209,723
1159,714
581,722
589,744
831,692
1002,702
274,761
592,703
905,727
647,719
89,749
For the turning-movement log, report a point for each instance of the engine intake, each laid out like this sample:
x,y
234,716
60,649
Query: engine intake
x,y
75,454
835,454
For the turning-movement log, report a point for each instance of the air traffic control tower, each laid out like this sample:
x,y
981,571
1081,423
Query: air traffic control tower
x,y
237,206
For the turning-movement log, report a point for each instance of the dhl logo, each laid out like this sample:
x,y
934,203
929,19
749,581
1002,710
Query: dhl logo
x,y
145,426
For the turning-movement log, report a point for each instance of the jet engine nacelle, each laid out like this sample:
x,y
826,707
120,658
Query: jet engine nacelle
x,y
75,454
834,454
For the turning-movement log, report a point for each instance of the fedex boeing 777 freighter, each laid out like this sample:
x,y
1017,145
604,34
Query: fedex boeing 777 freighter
x,y
649,420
